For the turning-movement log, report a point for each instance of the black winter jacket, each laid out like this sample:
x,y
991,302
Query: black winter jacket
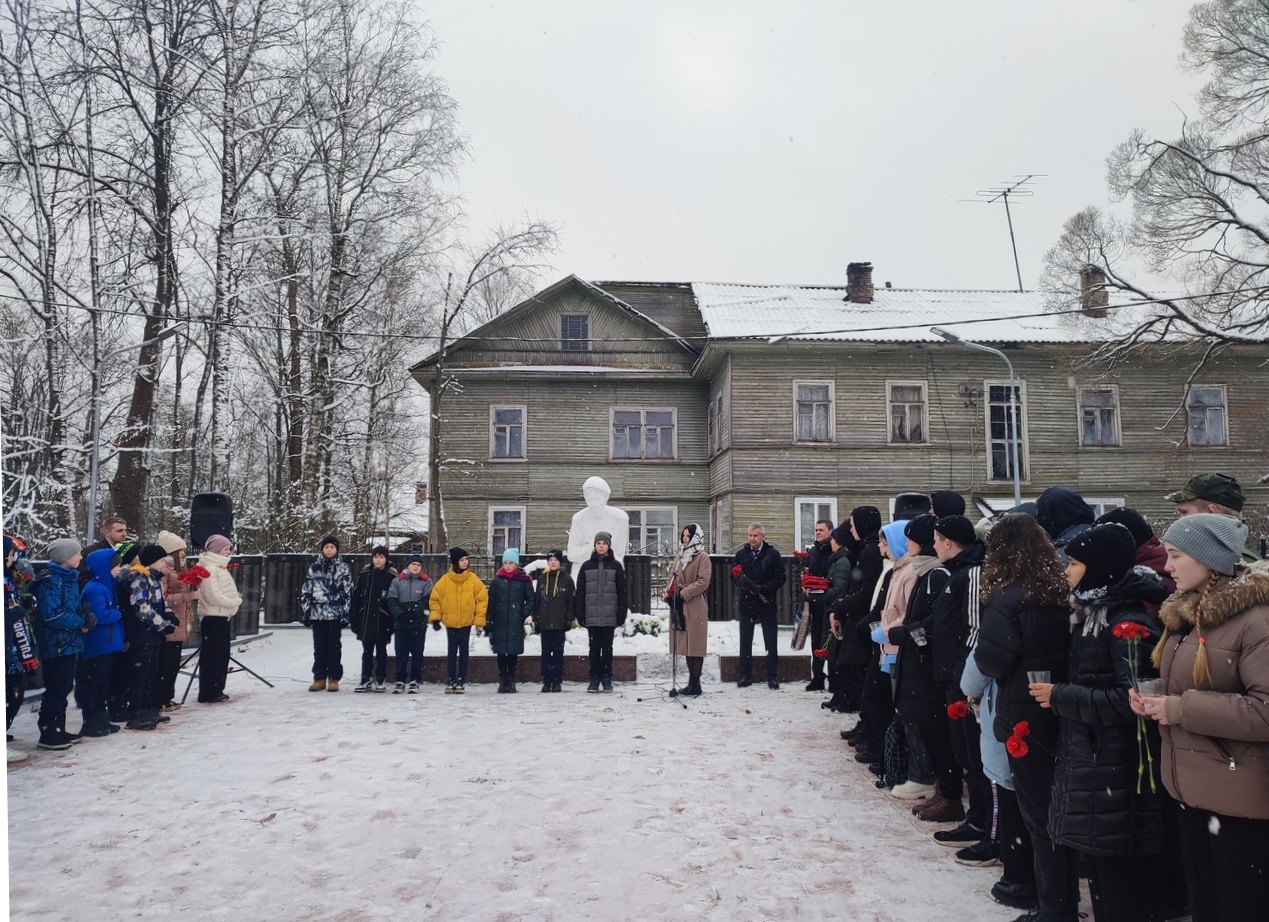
x,y
957,617
1096,808
511,600
853,606
553,610
918,698
1018,637
762,575
368,613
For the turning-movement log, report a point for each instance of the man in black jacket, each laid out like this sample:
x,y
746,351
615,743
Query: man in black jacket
x,y
818,556
758,573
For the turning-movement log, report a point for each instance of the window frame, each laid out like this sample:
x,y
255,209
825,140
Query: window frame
x,y
1080,391
643,443
524,434
925,410
831,437
1024,443
641,511
798,501
580,345
489,531
1224,407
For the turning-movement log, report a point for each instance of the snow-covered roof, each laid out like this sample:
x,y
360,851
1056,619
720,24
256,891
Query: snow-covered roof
x,y
798,312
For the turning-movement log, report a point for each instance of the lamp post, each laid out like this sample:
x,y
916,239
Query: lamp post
x,y
1013,402
96,451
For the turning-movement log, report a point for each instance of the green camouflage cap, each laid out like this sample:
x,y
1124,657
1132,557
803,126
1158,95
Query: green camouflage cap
x,y
1212,488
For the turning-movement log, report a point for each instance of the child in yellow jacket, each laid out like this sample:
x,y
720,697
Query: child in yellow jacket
x,y
459,601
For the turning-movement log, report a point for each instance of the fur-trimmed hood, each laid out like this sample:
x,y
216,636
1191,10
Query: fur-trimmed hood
x,y
1229,596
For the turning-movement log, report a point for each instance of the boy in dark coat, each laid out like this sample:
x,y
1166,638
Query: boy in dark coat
x,y
146,624
371,621
59,626
552,615
600,606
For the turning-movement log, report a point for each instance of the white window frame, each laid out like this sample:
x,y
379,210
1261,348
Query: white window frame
x,y
817,501
643,442
714,425
925,412
831,437
584,344
524,433
1103,504
1024,444
666,547
1224,407
1119,416
490,531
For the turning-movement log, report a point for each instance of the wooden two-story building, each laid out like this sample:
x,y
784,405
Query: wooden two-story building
x,y
728,404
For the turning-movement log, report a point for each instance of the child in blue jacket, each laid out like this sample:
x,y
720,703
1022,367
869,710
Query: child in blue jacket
x,y
103,641
60,628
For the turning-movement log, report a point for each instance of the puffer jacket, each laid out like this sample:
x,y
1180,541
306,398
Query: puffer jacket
x,y
1096,808
511,600
1216,741
600,600
145,616
553,610
218,593
327,592
408,600
853,606
99,597
1018,637
839,567
917,698
179,599
368,611
459,600
58,619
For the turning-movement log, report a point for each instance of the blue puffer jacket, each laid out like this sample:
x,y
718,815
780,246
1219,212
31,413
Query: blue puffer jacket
x,y
99,598
57,616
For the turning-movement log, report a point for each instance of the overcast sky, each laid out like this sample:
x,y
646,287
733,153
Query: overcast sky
x,y
770,142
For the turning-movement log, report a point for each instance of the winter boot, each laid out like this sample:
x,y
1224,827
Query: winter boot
x,y
693,689
140,721
502,683
593,687
555,686
606,681
546,686
155,715
332,685
318,685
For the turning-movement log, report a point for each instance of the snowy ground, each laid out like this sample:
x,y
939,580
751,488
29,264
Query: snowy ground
x,y
288,805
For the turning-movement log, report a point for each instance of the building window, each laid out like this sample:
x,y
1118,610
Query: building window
x,y
506,529
653,531
575,332
1000,430
814,401
807,510
1205,406
714,423
506,433
1103,504
906,404
643,434
1099,416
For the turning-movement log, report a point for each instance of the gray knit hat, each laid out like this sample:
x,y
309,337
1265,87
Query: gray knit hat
x,y
603,536
1216,541
63,549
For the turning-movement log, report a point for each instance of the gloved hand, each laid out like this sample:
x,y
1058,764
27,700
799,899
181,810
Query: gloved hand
x,y
879,635
169,627
157,622
436,625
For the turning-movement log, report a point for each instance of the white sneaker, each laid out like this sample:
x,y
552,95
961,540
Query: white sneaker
x,y
380,687
912,790
16,755
398,688
412,688
364,686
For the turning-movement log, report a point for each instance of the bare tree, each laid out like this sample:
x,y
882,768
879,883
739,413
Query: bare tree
x,y
1198,201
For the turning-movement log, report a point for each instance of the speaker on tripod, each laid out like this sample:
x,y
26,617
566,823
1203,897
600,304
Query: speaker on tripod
x,y
210,514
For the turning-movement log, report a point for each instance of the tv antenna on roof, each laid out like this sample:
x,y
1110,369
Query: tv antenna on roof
x,y
1019,187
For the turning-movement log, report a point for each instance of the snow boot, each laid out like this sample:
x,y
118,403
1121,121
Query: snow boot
x,y
555,686
318,685
593,687
332,684
606,681
502,683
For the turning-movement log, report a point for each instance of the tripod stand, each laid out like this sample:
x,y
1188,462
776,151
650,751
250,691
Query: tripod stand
x,y
193,673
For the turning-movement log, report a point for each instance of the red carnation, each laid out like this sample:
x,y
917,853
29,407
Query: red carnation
x,y
801,554
1130,630
820,652
736,571
958,710
1021,729
1016,747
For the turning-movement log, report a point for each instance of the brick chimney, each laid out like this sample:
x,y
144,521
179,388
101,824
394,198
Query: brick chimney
x,y
859,283
1094,297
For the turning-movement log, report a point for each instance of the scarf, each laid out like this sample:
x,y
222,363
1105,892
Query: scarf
x,y
695,544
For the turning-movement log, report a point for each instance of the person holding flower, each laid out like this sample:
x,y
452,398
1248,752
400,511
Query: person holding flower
x,y
1105,804
180,596
692,574
1213,714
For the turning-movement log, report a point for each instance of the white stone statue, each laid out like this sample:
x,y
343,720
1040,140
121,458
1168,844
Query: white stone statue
x,y
596,517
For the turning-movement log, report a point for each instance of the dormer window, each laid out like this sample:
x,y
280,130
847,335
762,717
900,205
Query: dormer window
x,y
575,332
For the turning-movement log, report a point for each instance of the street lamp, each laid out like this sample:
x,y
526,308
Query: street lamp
x,y
1013,402
96,453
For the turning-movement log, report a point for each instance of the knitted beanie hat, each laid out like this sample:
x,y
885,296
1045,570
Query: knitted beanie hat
x,y
921,530
556,553
1132,520
603,536
328,539
170,542
150,554
379,550
511,555
216,544
1107,552
1216,541
63,549
455,555
957,529
947,502
127,551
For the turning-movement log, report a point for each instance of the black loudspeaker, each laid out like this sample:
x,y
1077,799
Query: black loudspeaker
x,y
210,514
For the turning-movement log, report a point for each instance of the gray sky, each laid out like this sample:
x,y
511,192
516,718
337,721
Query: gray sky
x,y
775,142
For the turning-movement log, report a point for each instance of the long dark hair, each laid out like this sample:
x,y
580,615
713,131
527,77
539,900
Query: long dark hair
x,y
1019,550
